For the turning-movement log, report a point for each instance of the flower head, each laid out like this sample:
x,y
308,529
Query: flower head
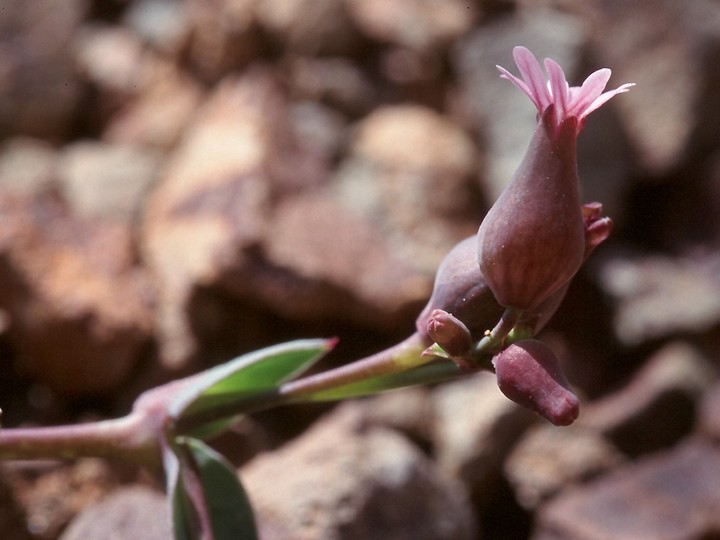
x,y
569,101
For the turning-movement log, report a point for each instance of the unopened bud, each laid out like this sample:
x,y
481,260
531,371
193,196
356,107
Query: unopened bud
x,y
529,374
450,333
460,289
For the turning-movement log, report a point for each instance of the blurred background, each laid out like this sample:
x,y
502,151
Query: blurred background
x,y
182,181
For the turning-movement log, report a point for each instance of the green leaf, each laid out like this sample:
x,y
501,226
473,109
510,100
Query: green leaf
x,y
185,523
226,509
426,374
250,374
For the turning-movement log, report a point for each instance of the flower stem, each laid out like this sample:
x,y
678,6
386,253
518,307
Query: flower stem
x,y
128,438
398,358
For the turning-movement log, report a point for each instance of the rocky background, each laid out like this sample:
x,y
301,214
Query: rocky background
x,y
183,181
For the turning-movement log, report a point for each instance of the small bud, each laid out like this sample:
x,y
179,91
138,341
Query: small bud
x,y
460,289
529,374
450,333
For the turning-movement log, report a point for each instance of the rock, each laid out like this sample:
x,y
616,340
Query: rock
x,y
658,406
224,37
27,166
341,267
659,296
413,172
335,81
475,426
671,44
79,307
408,411
548,460
50,494
415,24
211,211
341,481
126,514
110,181
157,116
309,27
672,495
163,23
147,100
12,520
39,90
709,413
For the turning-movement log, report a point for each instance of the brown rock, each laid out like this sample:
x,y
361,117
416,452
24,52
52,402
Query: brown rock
x,y
673,496
660,296
79,308
413,172
110,181
309,27
416,24
547,460
658,405
339,481
27,166
669,47
127,514
224,36
39,90
475,426
210,212
709,413
51,494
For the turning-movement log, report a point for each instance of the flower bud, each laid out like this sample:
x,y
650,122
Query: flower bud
x,y
532,240
461,290
450,333
529,374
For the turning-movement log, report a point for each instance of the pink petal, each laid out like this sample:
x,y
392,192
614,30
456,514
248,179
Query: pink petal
x,y
505,74
558,86
533,76
591,88
604,98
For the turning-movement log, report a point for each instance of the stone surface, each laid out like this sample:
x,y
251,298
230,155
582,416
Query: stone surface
x,y
709,413
658,405
475,425
415,24
126,514
340,481
547,460
666,40
415,174
660,296
672,495
79,307
107,181
27,165
49,493
38,89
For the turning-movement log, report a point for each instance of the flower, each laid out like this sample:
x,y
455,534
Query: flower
x,y
529,374
569,101
533,241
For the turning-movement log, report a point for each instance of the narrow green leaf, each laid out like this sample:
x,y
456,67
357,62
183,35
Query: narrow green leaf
x,y
249,374
185,524
226,508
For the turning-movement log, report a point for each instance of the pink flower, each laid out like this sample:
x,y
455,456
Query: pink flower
x,y
570,101
534,239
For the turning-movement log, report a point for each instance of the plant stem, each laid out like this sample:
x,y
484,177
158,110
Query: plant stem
x,y
128,438
398,358
405,355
